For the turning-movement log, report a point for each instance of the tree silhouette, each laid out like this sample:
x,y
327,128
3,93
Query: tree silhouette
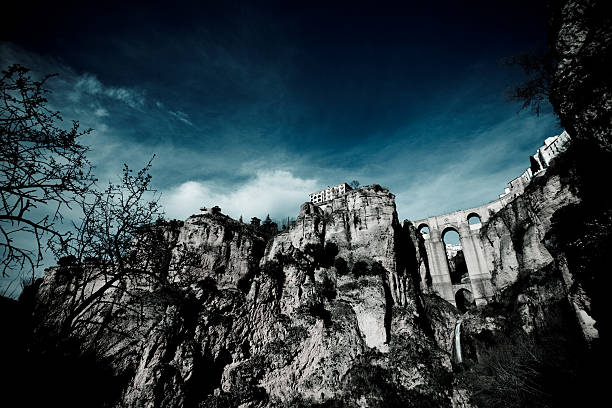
x,y
535,90
43,168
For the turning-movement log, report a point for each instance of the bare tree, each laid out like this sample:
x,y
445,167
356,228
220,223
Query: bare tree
x,y
116,247
43,169
535,90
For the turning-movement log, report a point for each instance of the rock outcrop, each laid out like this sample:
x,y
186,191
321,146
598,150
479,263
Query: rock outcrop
x,y
330,311
581,90
514,236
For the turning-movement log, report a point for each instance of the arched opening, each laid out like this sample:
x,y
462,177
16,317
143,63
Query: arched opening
x,y
424,230
454,257
473,219
464,300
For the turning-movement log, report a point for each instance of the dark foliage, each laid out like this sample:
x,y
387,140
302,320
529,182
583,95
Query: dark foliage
x,y
329,255
341,266
519,370
69,260
48,370
267,229
360,268
328,289
539,70
377,269
322,255
318,310
375,383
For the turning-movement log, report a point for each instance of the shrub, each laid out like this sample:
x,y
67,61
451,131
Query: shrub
x,y
329,254
314,251
69,260
321,255
341,266
520,371
318,310
360,269
377,269
329,288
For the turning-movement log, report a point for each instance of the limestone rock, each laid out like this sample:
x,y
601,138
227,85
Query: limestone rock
x,y
219,248
514,237
237,325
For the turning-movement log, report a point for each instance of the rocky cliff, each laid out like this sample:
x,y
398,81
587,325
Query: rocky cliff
x,y
542,331
329,311
580,41
514,237
336,310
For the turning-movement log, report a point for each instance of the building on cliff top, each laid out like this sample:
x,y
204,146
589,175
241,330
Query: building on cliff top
x,y
539,162
329,193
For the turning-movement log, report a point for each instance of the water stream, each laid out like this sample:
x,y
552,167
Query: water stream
x,y
458,356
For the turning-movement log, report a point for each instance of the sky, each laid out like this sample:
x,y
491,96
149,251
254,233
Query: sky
x,y
252,106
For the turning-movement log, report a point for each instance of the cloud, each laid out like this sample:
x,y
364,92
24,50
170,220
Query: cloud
x,y
101,112
88,84
275,192
182,116
464,174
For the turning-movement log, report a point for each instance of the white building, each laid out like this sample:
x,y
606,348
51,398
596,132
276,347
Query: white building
x,y
452,249
329,193
543,156
552,147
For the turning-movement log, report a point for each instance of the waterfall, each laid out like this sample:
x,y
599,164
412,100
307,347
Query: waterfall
x,y
458,356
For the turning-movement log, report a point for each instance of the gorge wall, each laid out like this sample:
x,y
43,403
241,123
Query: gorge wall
x,y
329,311
340,309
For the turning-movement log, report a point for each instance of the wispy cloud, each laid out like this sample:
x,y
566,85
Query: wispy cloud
x,y
456,157
89,85
182,116
101,112
275,192
466,174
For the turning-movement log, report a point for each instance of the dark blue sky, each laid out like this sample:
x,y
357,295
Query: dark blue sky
x,y
252,107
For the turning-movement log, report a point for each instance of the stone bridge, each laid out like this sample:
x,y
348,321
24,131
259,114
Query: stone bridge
x,y
478,266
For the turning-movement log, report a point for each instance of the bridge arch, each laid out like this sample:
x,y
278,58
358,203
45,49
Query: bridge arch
x,y
455,259
473,219
464,300
468,224
423,229
448,228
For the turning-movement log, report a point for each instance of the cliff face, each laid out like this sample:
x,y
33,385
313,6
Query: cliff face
x,y
514,237
363,224
337,310
331,311
529,268
219,248
581,90
543,316
364,227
